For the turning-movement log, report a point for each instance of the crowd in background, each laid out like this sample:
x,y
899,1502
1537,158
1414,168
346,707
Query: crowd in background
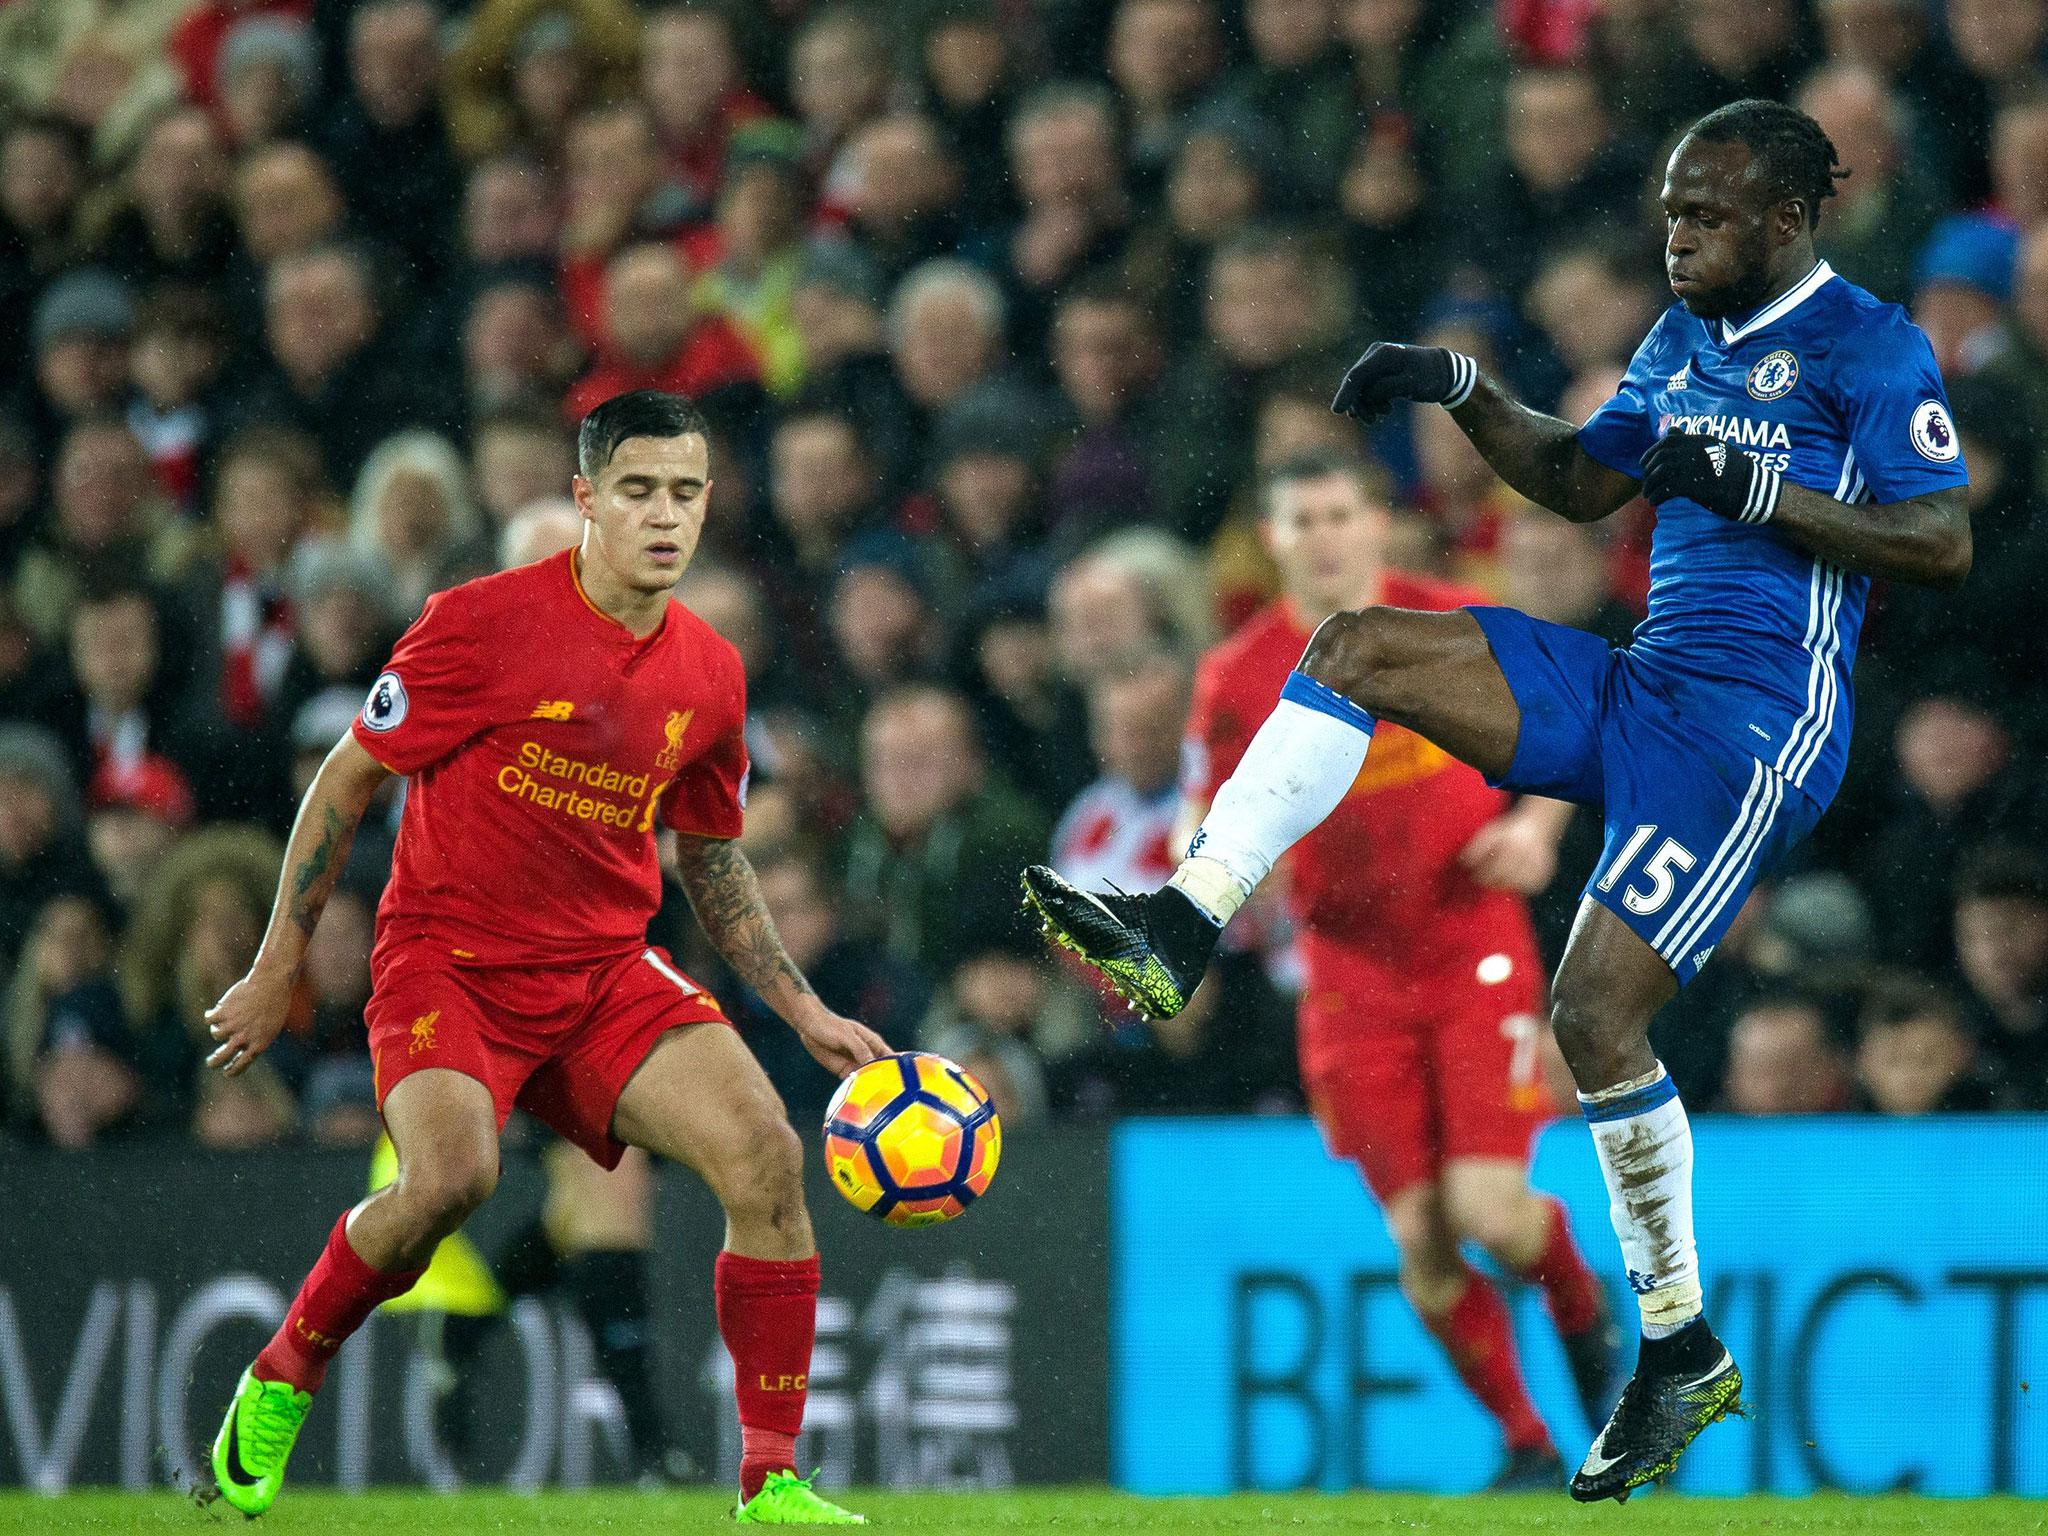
x,y
996,308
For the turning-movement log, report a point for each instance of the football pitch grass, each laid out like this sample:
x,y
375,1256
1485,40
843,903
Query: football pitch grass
x,y
319,1512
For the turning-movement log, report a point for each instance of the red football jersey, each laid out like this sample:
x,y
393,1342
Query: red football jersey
x,y
1381,875
542,740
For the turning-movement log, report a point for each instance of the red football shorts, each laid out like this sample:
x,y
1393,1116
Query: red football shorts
x,y
556,1041
1405,1073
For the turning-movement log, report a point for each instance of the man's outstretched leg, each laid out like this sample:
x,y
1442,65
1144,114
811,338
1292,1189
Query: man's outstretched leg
x,y
1431,672
1609,987
701,1099
445,1129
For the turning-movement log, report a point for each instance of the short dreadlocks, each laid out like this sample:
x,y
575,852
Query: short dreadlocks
x,y
1794,157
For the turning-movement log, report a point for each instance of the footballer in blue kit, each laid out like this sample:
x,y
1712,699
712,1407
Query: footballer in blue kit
x,y
1794,437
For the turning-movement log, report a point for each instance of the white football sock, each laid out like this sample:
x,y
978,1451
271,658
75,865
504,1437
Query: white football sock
x,y
1298,768
1645,1146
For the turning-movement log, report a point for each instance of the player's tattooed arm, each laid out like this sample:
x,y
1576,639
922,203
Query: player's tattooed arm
x,y
249,1015
1923,539
1539,455
726,897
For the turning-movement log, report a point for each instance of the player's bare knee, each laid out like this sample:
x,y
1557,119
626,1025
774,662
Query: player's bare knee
x,y
1498,1225
1588,1031
765,1183
444,1190
1350,652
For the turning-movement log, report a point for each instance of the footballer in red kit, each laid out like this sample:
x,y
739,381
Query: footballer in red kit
x,y
563,727
1423,999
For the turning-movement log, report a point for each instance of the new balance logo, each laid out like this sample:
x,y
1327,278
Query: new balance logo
x,y
553,709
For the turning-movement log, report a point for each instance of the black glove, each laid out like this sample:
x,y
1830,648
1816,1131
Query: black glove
x,y
1724,480
1390,372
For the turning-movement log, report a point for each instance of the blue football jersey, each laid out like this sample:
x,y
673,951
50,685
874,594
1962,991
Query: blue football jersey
x,y
1750,636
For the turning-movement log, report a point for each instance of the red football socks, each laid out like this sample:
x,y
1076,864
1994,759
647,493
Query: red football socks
x,y
340,1292
768,1316
1476,1334
1569,1287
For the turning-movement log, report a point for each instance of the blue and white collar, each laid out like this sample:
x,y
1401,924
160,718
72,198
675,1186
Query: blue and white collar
x,y
1779,307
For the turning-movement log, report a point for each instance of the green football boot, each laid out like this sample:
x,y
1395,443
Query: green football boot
x,y
786,1499
255,1440
1153,949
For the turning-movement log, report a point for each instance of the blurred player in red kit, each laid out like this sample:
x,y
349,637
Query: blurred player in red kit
x,y
550,719
1423,999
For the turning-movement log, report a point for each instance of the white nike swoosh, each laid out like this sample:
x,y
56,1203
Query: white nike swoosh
x,y
1596,1463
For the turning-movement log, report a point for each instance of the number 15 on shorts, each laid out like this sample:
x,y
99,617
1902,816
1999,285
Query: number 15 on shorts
x,y
1658,870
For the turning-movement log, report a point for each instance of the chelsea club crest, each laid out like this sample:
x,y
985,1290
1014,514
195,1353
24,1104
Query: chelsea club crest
x,y
1773,376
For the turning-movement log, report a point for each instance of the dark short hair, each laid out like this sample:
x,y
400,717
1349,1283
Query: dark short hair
x,y
1794,156
1903,997
637,413
1320,464
2003,872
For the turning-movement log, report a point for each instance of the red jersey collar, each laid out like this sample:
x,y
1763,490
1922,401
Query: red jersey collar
x,y
568,557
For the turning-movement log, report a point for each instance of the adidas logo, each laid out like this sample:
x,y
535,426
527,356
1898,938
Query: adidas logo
x,y
1703,957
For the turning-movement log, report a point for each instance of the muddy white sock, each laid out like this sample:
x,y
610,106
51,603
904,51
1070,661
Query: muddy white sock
x,y
1296,771
1645,1146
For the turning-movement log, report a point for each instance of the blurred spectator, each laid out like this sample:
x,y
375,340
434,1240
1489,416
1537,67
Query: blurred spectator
x,y
42,185
1066,163
1955,784
838,77
178,364
1222,179
615,194
969,86
691,80
2001,929
1296,78
1163,55
1915,1054
385,136
107,522
517,455
412,513
1783,1060
1593,309
79,336
929,868
332,370
510,212
758,223
884,629
1006,1015
1886,207
1737,48
1961,283
1274,306
99,68
1118,832
2019,161
946,326
1107,358
516,345
1897,40
327,1063
1128,594
193,938
524,66
654,338
540,529
985,477
201,35
268,493
903,190
69,1057
42,854
343,625
286,202
1030,714
172,222
131,830
268,72
1565,171
821,488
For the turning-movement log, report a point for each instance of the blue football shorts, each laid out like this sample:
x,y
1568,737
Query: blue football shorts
x,y
1692,823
